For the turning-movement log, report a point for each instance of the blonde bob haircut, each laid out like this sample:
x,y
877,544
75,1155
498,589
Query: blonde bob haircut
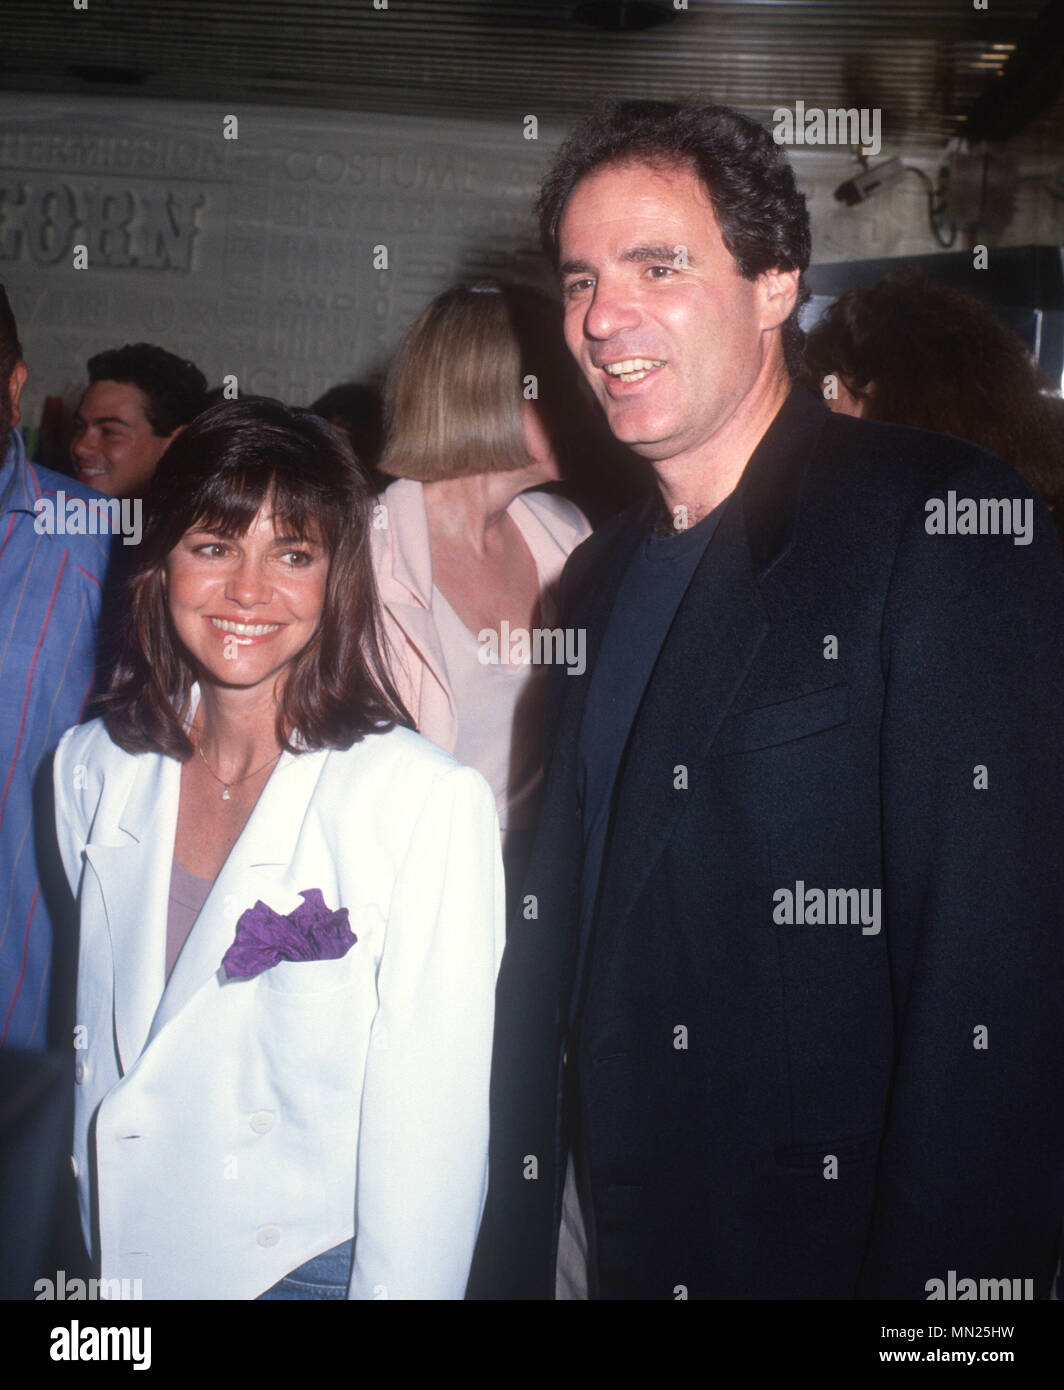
x,y
455,389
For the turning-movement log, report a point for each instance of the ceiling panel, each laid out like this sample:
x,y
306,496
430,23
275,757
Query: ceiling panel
x,y
925,63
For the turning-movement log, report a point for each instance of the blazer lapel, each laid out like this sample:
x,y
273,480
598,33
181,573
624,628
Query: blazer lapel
x,y
260,865
134,879
715,635
406,584
567,695
554,872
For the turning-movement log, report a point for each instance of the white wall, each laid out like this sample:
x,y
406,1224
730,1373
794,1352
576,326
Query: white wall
x,y
255,256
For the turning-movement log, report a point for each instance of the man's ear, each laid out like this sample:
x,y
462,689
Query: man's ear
x,y
779,290
16,381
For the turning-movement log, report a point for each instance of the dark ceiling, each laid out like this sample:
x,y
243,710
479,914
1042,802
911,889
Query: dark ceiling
x,y
926,63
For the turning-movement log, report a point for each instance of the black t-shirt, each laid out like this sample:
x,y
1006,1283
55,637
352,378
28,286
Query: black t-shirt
x,y
649,595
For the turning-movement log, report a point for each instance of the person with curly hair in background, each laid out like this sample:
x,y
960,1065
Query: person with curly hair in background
x,y
910,352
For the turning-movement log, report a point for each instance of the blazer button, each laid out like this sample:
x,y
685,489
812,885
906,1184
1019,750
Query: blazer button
x,y
262,1123
268,1235
79,1072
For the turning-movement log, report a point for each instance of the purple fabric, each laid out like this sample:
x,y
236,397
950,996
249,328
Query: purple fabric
x,y
310,932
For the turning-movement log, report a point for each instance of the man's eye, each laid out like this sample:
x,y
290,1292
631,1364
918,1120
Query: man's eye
x,y
578,287
659,272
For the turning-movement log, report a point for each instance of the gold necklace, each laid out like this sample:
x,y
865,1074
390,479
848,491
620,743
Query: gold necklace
x,y
226,785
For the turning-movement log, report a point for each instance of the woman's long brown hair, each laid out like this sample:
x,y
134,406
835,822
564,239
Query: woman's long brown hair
x,y
216,475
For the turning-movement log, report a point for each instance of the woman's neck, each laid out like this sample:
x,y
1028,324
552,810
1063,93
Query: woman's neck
x,y
236,730
467,511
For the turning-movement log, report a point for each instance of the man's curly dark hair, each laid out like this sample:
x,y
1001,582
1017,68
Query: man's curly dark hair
x,y
762,216
176,390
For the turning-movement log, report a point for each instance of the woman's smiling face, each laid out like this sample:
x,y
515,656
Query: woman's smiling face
x,y
245,606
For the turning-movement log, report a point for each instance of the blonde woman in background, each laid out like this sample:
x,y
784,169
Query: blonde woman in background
x,y
465,547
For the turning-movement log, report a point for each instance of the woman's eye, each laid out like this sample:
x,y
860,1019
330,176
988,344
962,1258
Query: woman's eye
x,y
296,558
213,549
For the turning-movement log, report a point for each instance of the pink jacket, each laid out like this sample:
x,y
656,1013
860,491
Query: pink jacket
x,y
552,528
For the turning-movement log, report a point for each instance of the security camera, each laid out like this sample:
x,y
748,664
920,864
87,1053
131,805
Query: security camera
x,y
869,181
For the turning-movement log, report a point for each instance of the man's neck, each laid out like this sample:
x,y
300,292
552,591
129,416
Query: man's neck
x,y
692,484
10,440
10,454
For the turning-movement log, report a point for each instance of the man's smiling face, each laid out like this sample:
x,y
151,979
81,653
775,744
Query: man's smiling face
x,y
670,335
113,447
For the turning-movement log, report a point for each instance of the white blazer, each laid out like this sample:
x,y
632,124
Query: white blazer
x,y
228,1130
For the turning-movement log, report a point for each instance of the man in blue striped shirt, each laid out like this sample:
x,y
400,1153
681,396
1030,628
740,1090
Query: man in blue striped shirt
x,y
50,591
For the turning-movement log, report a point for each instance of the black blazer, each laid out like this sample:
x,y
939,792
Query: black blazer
x,y
841,1113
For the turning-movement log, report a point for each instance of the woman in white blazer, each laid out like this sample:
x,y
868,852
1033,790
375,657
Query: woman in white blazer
x,y
291,905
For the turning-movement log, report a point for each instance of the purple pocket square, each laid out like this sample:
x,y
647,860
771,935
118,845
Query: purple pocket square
x,y
310,932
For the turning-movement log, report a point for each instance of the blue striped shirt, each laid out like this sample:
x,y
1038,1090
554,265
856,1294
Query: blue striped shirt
x,y
50,591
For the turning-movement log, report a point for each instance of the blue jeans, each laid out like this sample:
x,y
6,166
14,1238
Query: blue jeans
x,y
326,1276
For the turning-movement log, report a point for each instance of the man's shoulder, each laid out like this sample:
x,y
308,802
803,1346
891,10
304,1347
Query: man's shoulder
x,y
883,464
46,482
888,491
90,551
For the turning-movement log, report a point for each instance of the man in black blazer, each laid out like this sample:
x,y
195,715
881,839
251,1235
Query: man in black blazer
x,y
779,1015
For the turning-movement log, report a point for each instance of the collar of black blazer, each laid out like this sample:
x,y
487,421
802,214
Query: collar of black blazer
x,y
771,485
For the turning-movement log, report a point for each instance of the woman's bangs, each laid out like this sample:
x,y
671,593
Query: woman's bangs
x,y
300,511
231,503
